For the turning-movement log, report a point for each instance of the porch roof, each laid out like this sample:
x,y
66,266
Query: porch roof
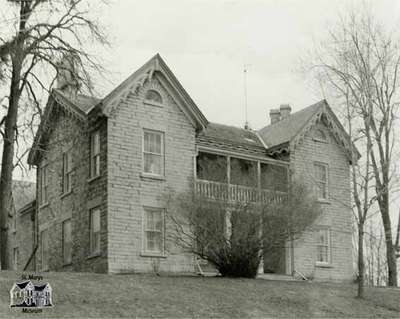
x,y
231,138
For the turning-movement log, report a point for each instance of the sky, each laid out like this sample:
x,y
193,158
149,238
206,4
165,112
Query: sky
x,y
207,44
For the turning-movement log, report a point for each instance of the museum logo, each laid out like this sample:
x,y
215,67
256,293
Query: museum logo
x,y
31,296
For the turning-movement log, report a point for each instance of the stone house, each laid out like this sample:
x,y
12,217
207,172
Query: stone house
x,y
21,228
104,164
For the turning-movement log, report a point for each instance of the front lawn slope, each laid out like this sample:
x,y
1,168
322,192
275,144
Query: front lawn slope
x,y
103,296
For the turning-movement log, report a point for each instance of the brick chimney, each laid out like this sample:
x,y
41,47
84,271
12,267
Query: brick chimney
x,y
275,116
67,78
285,110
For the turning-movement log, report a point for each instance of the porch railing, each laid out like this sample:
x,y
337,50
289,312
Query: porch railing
x,y
230,192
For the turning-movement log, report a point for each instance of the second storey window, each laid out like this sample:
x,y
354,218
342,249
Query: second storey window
x,y
43,185
67,242
321,180
95,154
95,231
67,172
153,152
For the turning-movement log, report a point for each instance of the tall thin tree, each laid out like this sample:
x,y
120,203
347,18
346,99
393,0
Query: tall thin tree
x,y
360,64
46,32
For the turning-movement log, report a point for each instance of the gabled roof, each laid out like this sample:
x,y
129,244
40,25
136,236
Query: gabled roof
x,y
295,126
77,107
155,65
23,284
284,130
81,105
230,138
82,102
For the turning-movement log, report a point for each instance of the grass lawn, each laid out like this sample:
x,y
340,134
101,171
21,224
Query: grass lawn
x,y
94,295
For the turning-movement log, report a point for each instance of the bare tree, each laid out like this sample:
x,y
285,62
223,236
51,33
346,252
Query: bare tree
x,y
46,32
359,64
232,234
376,274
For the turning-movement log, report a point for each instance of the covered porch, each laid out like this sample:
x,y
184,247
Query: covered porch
x,y
240,178
245,179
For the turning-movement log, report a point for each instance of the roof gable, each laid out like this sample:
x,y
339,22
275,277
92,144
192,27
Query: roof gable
x,y
284,130
293,129
69,105
155,65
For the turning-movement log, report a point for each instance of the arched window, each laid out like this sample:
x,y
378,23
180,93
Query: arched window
x,y
320,136
153,96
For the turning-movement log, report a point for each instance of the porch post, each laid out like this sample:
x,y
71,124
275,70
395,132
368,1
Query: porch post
x,y
228,170
289,182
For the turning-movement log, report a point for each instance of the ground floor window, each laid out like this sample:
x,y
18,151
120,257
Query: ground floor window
x,y
323,246
44,247
153,230
67,242
95,231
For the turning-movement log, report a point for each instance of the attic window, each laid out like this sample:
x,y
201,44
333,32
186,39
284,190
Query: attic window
x,y
153,97
320,136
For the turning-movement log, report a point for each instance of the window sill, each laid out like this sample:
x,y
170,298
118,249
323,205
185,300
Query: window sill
x,y
152,254
68,264
320,141
66,194
152,103
44,205
94,255
151,176
323,265
91,179
324,201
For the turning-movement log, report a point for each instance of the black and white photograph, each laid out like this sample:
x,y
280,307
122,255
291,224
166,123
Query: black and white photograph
x,y
199,159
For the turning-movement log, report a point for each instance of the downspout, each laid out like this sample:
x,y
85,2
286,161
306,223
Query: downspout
x,y
289,178
35,237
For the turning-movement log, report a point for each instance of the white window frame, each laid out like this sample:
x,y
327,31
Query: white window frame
x,y
327,245
67,259
318,182
95,154
162,153
94,248
67,169
44,253
44,184
146,230
152,102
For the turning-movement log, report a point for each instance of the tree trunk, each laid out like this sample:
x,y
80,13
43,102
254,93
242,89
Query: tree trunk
x,y
361,266
8,160
390,248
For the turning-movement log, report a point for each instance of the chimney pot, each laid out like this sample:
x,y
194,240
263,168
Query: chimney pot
x,y
275,116
285,110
